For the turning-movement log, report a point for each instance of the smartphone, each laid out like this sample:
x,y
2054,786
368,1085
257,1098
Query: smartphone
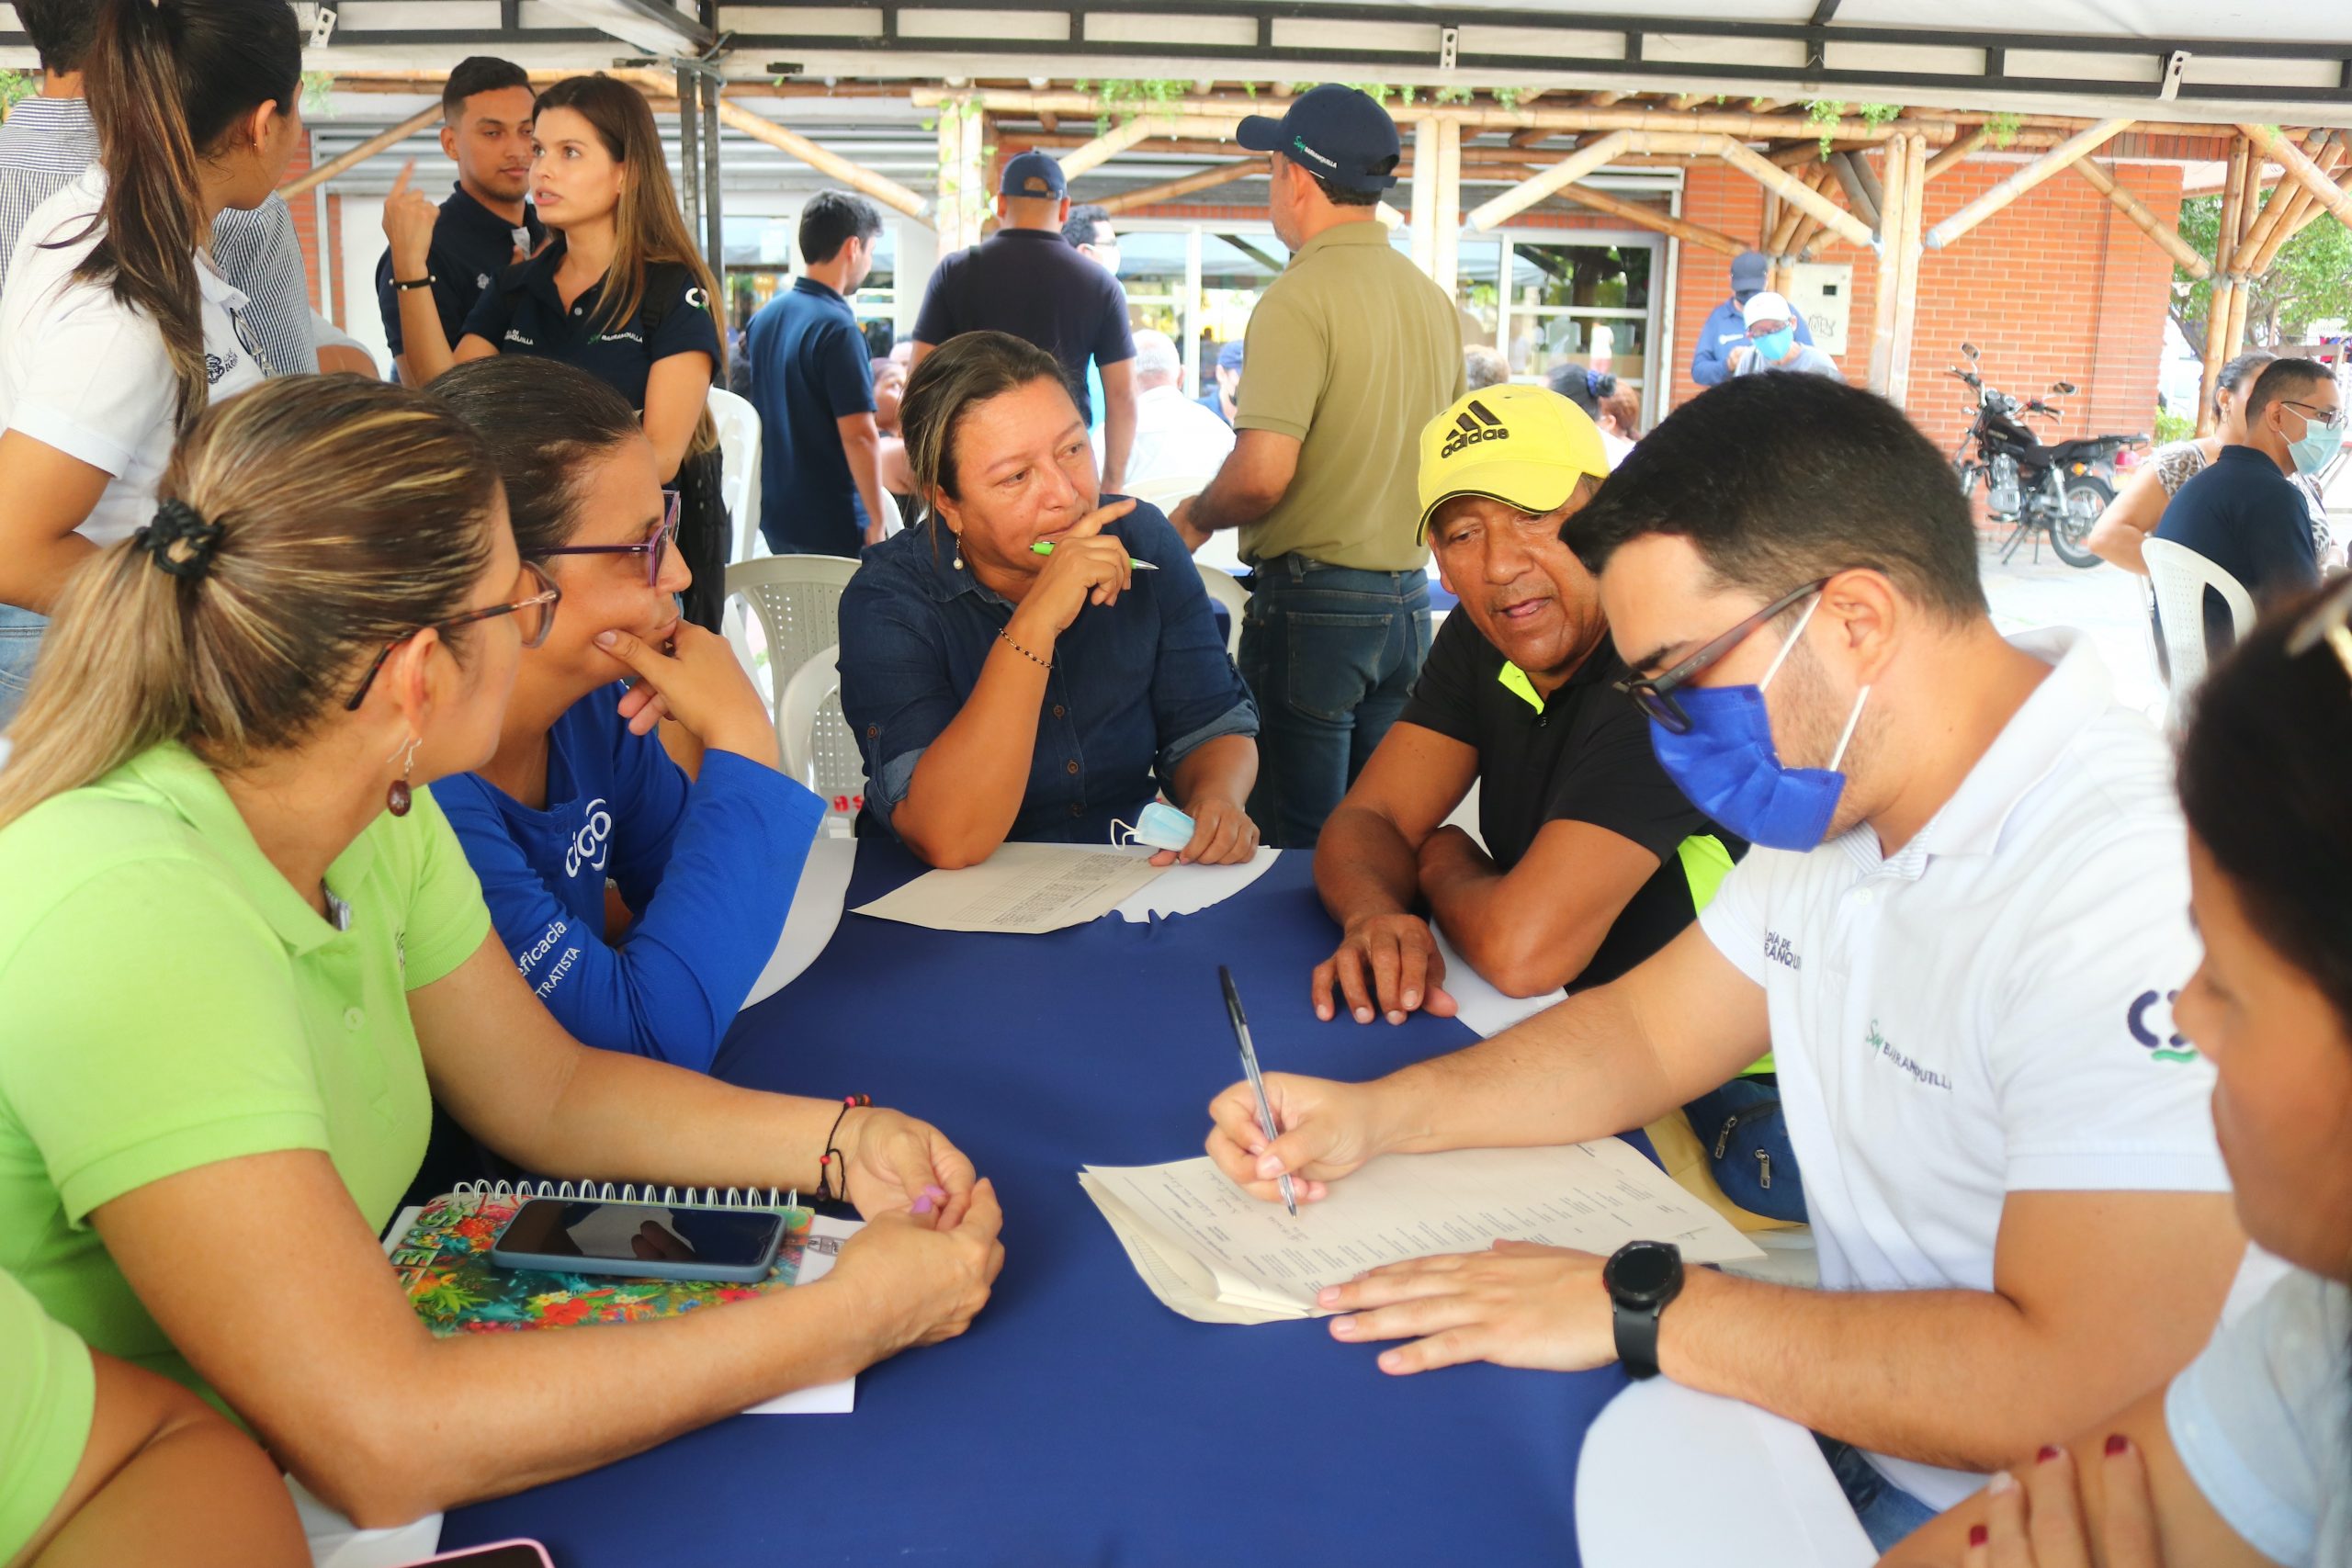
x,y
643,1240
498,1554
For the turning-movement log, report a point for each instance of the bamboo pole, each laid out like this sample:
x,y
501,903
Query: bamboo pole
x,y
1605,100
1422,216
2079,145
2312,212
1108,145
1788,188
1445,253
2302,170
361,153
1893,253
2167,237
1168,190
1915,252
831,164
2286,203
1858,195
1958,152
2217,313
1780,239
1651,218
1567,171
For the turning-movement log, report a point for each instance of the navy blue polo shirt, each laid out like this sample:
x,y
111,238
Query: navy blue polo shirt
x,y
522,314
472,246
1033,283
2247,517
810,371
1135,686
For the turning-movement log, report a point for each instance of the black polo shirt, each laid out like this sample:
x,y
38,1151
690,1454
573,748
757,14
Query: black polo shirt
x,y
2247,517
471,247
1035,285
1583,755
523,314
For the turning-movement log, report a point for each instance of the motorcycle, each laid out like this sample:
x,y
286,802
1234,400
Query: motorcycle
x,y
2056,491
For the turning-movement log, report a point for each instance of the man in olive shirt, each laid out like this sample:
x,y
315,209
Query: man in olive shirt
x,y
1350,352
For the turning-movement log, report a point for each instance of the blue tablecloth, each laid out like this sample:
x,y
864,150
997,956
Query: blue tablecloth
x,y
1079,1421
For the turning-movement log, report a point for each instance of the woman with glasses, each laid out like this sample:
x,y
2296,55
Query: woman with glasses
x,y
581,791
239,940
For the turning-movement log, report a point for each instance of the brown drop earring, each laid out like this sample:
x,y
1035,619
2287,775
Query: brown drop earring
x,y
398,798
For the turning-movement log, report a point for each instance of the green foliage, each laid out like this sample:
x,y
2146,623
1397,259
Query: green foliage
x,y
1123,99
1879,114
2004,127
1506,99
2171,427
1825,113
317,93
15,87
2308,280
1452,95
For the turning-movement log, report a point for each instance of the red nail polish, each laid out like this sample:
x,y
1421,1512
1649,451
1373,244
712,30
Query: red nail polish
x,y
1976,1535
2117,1445
2047,1453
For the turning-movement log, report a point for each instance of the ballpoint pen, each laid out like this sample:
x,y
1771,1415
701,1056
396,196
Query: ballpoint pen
x,y
1046,547
1257,1083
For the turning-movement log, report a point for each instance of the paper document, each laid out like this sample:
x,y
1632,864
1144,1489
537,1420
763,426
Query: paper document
x,y
1022,890
825,1238
815,909
1214,1254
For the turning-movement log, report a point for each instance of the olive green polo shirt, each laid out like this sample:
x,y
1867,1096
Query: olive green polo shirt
x,y
48,1394
168,1001
1352,350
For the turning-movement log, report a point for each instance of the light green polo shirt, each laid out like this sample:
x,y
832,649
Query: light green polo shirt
x,y
168,1001
1352,350
47,1397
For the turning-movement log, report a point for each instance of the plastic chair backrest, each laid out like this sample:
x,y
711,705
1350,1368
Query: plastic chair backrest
x,y
794,622
2180,577
813,748
737,424
896,521
1234,597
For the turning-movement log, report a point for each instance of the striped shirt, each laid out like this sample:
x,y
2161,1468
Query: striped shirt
x,y
45,142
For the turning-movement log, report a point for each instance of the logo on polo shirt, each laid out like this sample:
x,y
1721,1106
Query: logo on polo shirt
x,y
1475,423
1889,1053
697,299
1780,951
593,842
2165,1047
515,336
481,280
217,365
620,337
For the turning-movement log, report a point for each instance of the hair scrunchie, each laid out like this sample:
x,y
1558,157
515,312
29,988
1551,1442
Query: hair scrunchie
x,y
177,523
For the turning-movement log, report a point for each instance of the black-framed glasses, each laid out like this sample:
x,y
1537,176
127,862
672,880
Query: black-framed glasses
x,y
1654,694
2326,418
534,613
654,548
2329,620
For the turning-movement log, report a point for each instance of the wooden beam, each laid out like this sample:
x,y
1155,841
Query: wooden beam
x,y
1858,194
1651,218
1421,215
1445,255
1605,100
1567,171
2313,210
361,153
1531,137
826,161
1914,222
1168,190
1768,106
2298,163
1690,101
2167,239
1101,149
1789,188
1958,152
2079,145
2289,199
2217,312
1893,261
1780,239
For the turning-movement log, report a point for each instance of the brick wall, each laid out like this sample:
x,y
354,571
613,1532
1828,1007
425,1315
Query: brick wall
x,y
305,208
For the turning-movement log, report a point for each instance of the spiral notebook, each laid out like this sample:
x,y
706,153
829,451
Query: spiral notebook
x,y
441,1252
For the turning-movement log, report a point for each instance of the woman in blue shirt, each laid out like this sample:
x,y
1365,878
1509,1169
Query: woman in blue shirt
x,y
1000,693
2247,1457
581,790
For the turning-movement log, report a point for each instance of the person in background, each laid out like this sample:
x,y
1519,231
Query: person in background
x,y
1175,437
1725,328
104,1463
340,354
1483,367
2132,517
488,224
115,328
49,139
1591,391
1000,694
1219,399
2244,1459
2245,512
1089,232
889,387
821,451
1774,343
242,950
623,293
1620,422
580,791
1352,350
2021,1218
1026,279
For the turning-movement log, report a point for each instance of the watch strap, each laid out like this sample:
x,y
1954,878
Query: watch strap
x,y
1636,1336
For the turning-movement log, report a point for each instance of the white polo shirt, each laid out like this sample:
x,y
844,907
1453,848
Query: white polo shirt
x,y
1987,1011
89,376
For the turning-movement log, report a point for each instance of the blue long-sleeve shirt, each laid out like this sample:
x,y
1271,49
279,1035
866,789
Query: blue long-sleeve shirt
x,y
707,865
1725,330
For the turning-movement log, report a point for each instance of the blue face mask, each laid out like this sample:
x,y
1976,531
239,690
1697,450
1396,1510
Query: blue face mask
x,y
1727,764
2317,447
1776,345
1159,825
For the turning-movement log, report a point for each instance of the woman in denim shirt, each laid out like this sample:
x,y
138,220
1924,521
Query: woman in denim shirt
x,y
999,694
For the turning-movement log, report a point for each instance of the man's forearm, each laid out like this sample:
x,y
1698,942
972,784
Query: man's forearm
x,y
866,471
1363,866
1228,503
1221,768
1118,439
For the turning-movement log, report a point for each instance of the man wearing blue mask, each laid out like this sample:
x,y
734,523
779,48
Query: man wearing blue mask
x,y
2245,512
1725,328
1771,324
2022,1216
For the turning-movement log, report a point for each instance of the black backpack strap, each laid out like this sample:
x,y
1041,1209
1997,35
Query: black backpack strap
x,y
664,281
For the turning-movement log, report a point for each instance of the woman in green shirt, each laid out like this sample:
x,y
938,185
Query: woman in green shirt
x,y
240,940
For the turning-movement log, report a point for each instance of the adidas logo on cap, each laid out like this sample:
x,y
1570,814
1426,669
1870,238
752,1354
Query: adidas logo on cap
x,y
1469,430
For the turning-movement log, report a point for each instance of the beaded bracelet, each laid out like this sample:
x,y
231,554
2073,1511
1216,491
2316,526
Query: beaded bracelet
x,y
838,1192
1007,635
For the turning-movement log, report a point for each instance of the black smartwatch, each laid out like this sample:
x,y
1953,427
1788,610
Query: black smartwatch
x,y
1641,1277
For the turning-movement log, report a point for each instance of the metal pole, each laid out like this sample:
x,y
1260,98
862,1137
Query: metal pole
x,y
712,215
689,146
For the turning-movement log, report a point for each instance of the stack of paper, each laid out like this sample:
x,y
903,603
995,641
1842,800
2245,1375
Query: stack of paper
x,y
1021,890
1214,1254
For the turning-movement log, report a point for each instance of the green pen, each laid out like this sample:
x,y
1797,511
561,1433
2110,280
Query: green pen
x,y
1046,547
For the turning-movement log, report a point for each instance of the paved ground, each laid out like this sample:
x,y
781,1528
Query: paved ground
x,y
2102,601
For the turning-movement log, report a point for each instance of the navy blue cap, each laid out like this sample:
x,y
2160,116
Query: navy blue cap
x,y
1032,175
1230,357
1336,132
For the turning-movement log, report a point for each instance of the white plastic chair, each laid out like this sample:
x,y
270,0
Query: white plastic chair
x,y
815,739
1234,597
1169,489
784,610
737,424
2180,577
893,519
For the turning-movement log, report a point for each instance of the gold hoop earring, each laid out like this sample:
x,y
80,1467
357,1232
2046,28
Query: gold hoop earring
x,y
398,798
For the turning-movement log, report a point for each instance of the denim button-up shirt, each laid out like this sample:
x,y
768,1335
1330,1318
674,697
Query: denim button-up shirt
x,y
1134,688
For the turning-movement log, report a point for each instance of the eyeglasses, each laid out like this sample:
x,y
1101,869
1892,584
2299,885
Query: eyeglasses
x,y
654,549
535,615
2326,621
2326,418
1654,694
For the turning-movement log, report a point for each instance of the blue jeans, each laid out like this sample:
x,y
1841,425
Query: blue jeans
x,y
1888,1513
20,634
1329,653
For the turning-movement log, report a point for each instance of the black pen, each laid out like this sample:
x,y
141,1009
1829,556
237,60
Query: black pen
x,y
1257,1083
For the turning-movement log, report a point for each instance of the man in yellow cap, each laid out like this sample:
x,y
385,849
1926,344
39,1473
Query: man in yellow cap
x,y
1593,860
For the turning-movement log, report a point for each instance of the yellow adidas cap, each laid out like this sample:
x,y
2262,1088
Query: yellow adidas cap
x,y
1525,447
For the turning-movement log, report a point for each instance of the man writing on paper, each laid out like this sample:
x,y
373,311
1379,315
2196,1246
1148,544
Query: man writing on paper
x,y
2022,1216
